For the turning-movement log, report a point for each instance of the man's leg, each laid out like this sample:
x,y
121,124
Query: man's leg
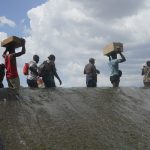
x,y
32,83
147,84
1,85
115,81
14,83
91,83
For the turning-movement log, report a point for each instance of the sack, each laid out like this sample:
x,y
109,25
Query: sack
x,y
40,83
26,69
43,68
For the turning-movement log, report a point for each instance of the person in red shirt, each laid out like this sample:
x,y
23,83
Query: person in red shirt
x,y
11,64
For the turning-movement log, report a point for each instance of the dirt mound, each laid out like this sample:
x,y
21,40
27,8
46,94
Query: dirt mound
x,y
75,119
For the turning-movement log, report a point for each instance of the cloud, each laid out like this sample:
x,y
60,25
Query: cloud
x,y
6,21
109,10
76,30
3,35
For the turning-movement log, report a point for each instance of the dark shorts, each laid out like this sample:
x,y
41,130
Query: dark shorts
x,y
115,80
91,83
49,81
32,83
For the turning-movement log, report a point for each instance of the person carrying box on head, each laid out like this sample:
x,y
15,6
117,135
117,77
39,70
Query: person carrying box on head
x,y
10,61
114,49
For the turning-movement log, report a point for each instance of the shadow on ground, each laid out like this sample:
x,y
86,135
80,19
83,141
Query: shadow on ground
x,y
75,119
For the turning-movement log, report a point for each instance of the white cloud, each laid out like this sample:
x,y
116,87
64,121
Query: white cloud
x,y
74,32
2,37
6,21
137,26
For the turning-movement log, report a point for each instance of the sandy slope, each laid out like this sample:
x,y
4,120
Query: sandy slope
x,y
75,119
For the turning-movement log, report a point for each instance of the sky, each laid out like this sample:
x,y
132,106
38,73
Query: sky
x,y
76,30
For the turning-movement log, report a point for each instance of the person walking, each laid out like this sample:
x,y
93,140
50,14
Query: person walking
x,y
11,64
146,73
2,74
33,72
91,73
114,67
47,71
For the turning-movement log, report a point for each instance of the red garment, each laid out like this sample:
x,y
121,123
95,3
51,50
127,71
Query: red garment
x,y
11,66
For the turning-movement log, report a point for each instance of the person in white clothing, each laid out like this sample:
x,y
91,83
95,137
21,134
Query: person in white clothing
x,y
33,72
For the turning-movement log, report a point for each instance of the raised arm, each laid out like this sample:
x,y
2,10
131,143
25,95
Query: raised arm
x,y
4,54
123,59
23,49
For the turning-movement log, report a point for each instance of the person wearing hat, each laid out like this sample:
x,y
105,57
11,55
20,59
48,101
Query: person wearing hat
x,y
47,71
146,73
33,72
91,73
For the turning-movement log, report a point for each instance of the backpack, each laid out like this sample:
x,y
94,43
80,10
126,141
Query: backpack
x,y
44,68
40,83
41,69
26,69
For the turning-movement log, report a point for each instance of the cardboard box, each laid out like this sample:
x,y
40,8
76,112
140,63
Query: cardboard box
x,y
113,47
11,40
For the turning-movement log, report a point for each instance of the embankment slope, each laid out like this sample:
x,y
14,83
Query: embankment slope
x,y
75,119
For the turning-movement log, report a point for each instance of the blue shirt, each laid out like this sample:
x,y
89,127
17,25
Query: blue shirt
x,y
114,66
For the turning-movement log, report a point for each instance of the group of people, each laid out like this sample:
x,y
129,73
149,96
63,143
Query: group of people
x,y
91,71
47,70
115,75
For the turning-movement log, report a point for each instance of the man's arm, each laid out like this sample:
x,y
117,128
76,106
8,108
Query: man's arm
x,y
84,70
4,54
97,71
56,75
123,59
109,58
23,49
143,70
